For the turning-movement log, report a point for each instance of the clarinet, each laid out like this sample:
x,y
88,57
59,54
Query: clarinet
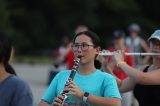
x,y
71,76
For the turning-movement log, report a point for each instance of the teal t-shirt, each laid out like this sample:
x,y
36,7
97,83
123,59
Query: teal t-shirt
x,y
98,83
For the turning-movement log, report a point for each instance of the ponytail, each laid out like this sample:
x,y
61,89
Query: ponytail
x,y
9,69
97,64
5,53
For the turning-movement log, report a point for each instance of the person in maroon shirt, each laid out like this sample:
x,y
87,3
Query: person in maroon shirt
x,y
64,58
128,59
119,44
69,59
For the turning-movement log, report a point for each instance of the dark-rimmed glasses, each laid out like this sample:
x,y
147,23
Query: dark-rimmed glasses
x,y
82,46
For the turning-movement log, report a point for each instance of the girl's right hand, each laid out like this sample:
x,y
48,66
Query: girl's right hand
x,y
58,101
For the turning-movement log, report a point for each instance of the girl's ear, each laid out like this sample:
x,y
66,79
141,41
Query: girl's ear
x,y
98,49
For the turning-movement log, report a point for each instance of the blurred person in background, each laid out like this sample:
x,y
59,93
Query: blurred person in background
x,y
64,54
64,57
137,44
119,44
13,90
81,28
146,83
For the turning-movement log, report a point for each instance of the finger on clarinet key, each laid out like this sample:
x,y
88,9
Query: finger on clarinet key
x,y
61,97
58,100
56,104
67,89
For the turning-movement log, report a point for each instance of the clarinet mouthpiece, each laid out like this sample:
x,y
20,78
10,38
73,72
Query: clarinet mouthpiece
x,y
79,56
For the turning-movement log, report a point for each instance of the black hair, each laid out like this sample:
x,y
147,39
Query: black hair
x,y
118,34
96,42
94,37
5,52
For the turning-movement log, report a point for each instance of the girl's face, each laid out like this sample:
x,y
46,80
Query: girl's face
x,y
155,47
84,47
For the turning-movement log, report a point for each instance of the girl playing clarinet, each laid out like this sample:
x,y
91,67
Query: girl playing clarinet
x,y
90,86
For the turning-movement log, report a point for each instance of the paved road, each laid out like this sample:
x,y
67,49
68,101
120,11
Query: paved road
x,y
36,76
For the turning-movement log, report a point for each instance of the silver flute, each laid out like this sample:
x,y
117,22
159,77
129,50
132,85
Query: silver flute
x,y
71,77
107,53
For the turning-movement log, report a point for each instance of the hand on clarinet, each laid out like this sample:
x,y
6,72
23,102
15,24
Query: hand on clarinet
x,y
74,90
58,101
60,98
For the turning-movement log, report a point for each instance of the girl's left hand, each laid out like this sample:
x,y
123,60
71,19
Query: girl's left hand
x,y
75,91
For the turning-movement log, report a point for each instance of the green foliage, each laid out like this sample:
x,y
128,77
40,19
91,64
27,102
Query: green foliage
x,y
40,24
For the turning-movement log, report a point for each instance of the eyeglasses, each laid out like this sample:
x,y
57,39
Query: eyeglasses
x,y
83,46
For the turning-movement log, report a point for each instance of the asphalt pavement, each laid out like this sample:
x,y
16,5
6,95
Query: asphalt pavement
x,y
36,76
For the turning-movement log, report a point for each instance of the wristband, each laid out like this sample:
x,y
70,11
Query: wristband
x,y
85,96
120,62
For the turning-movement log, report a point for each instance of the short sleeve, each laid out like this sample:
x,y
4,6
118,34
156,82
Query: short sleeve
x,y
50,93
22,95
111,88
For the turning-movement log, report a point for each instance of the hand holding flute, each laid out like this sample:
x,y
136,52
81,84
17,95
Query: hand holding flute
x,y
119,55
108,64
107,53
